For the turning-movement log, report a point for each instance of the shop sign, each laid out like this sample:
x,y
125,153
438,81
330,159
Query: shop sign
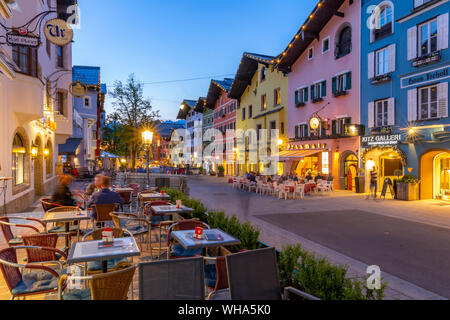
x,y
58,32
314,123
78,89
14,39
306,146
381,140
425,77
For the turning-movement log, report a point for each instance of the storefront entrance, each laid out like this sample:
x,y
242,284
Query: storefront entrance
x,y
435,175
350,172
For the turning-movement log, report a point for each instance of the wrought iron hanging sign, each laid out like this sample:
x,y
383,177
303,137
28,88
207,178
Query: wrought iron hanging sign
x,y
15,39
78,89
58,32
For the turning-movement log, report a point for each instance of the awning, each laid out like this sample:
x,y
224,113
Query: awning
x,y
70,147
105,154
297,154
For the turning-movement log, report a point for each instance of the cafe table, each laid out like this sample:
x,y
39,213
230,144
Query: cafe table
x,y
154,196
124,190
66,218
95,251
185,238
171,210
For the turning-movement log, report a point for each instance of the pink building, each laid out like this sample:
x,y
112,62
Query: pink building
x,y
323,63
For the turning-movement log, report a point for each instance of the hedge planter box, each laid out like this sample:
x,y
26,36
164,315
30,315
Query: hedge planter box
x,y
408,191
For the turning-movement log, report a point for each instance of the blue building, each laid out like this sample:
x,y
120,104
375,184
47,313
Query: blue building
x,y
404,91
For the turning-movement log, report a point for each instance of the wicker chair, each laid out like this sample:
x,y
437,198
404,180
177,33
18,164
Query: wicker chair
x,y
160,221
127,197
10,238
103,210
138,227
47,204
106,286
44,241
95,267
177,251
40,279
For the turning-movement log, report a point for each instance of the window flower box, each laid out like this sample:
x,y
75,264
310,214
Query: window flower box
x,y
300,104
317,100
340,93
381,79
427,59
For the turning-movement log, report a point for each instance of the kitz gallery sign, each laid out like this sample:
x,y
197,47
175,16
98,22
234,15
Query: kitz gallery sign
x,y
381,140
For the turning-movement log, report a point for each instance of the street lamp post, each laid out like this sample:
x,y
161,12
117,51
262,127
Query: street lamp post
x,y
147,138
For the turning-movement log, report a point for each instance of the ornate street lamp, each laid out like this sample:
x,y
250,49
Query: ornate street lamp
x,y
147,139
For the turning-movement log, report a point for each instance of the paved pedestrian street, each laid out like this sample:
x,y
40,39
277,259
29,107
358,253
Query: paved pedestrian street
x,y
408,240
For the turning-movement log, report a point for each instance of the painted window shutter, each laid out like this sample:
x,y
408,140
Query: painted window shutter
x,y
418,3
334,85
392,57
323,86
296,97
305,130
348,81
412,43
391,112
333,127
412,105
371,114
296,132
313,94
443,100
442,31
305,95
371,65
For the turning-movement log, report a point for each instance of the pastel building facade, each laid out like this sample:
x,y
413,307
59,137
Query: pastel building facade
x,y
261,91
192,139
404,92
224,121
36,108
323,67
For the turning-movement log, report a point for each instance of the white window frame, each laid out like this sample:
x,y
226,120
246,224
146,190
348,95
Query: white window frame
x,y
341,80
84,102
384,112
429,102
310,53
419,37
301,93
386,53
329,45
383,10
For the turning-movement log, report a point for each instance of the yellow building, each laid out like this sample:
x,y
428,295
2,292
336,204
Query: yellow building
x,y
262,92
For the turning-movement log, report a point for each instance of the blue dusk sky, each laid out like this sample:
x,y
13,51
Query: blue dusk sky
x,y
161,41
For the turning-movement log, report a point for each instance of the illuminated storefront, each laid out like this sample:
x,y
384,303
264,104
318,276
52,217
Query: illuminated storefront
x,y
435,174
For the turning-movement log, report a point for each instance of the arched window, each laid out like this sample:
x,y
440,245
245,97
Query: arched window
x,y
18,160
382,21
344,42
48,153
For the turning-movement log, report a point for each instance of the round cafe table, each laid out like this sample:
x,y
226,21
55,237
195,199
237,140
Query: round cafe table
x,y
310,187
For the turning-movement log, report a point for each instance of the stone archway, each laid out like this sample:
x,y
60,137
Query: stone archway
x,y
39,167
343,184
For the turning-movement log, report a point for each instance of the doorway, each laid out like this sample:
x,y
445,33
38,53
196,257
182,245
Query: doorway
x,y
39,167
350,172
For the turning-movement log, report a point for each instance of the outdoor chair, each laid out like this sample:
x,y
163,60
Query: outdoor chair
x,y
38,279
127,197
113,286
181,279
60,227
138,227
159,221
44,241
176,250
299,192
81,199
103,213
94,267
216,276
47,204
253,275
15,240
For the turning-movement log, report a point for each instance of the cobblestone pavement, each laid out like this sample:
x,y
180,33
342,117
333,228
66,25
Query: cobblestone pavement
x,y
408,240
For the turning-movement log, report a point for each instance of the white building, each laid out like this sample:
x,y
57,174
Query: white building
x,y
193,144
34,99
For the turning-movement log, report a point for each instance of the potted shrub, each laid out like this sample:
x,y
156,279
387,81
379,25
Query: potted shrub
x,y
221,171
212,173
360,181
408,188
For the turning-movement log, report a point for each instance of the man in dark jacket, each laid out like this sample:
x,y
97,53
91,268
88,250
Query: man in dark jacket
x,y
63,195
104,196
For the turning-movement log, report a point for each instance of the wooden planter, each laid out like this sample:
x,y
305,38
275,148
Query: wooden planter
x,y
221,174
408,191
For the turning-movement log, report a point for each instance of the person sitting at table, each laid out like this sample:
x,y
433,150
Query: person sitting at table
x,y
309,176
94,186
318,177
104,196
269,179
295,177
63,195
252,177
